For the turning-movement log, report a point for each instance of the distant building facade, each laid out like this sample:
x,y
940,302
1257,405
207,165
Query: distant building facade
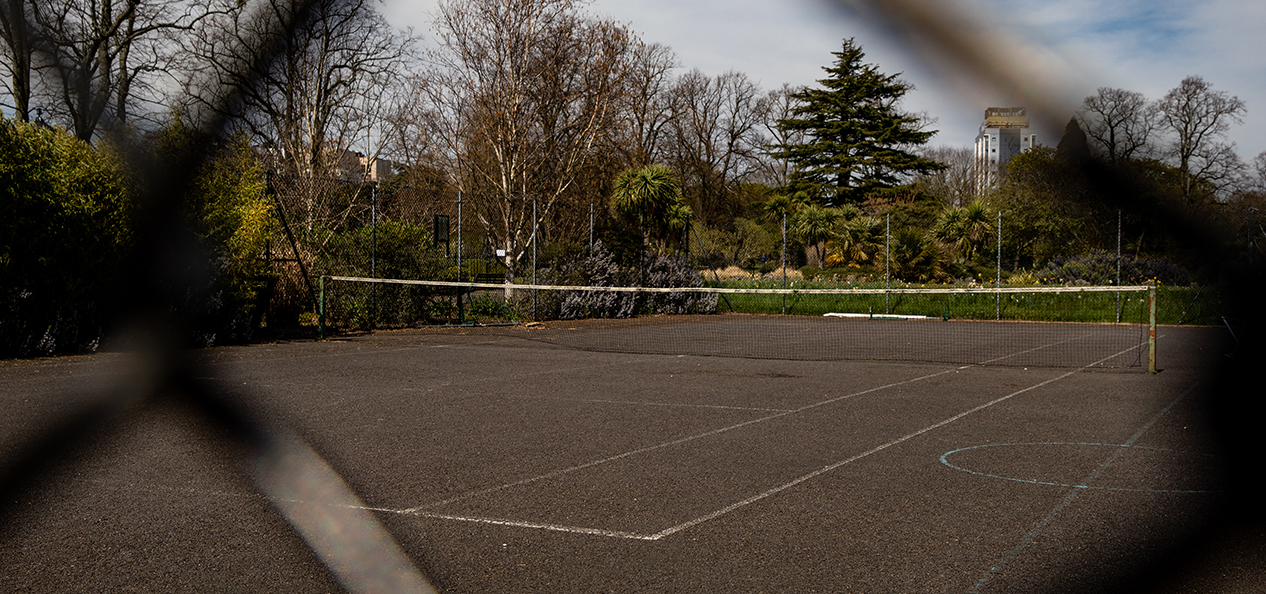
x,y
1004,134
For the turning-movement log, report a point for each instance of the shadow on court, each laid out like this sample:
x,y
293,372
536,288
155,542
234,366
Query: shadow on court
x,y
505,462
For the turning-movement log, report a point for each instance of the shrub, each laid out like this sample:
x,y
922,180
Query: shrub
x,y
779,274
486,306
599,269
394,247
728,273
66,227
1100,268
675,271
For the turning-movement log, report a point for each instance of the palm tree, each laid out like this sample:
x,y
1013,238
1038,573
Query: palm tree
x,y
652,194
964,227
677,221
814,225
914,257
780,205
856,239
977,226
949,225
647,192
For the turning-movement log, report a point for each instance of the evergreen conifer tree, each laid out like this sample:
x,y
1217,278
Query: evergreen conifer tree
x,y
856,139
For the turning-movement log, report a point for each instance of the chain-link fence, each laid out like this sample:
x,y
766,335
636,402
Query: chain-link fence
x,y
328,227
750,255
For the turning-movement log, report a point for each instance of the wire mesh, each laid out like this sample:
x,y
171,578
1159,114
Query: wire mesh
x,y
348,539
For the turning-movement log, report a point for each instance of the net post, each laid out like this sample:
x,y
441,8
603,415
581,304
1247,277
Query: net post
x,y
321,309
784,262
887,259
1151,328
998,293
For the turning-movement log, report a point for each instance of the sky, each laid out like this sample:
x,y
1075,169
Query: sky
x,y
1067,49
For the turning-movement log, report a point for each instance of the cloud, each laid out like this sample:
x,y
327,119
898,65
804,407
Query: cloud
x,y
1141,45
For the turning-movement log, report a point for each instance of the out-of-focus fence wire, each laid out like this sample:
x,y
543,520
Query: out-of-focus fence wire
x,y
166,267
976,54
163,276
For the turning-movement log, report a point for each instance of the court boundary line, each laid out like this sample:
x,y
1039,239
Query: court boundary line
x,y
422,510
1068,499
874,450
670,443
634,403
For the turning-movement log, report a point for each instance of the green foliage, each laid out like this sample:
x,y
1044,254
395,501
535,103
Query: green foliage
x,y
857,241
66,226
779,205
400,250
484,307
234,217
814,225
965,228
914,256
856,137
743,245
645,194
651,198
228,210
1100,268
1046,208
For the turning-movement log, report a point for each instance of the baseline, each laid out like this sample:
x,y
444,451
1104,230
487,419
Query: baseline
x,y
427,510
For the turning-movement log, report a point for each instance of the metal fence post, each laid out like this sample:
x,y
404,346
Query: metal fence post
x,y
321,310
535,228
1118,265
461,313
998,293
1151,328
784,262
887,259
373,254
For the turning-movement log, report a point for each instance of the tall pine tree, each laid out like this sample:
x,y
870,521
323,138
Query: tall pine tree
x,y
856,139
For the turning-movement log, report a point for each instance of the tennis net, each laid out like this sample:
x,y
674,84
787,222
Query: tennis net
x,y
1039,326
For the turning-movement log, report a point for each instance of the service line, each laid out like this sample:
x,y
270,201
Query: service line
x,y
423,510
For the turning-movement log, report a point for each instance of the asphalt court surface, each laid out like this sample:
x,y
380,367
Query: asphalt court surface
x,y
510,465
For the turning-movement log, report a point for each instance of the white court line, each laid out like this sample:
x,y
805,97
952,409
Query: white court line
x,y
1072,494
663,404
658,446
254,356
420,510
826,469
539,526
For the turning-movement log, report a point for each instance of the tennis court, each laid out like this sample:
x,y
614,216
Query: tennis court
x,y
505,460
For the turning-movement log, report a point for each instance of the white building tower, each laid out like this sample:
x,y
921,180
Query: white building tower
x,y
1003,135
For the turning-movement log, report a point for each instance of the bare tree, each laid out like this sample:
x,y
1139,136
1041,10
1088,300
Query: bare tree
x,y
327,91
779,104
956,185
88,62
647,103
716,142
1199,118
1119,123
1257,181
523,92
19,47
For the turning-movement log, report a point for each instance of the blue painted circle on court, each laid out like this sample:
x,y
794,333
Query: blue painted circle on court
x,y
946,455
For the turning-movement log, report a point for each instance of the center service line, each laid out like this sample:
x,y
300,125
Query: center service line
x,y
829,468
674,442
422,509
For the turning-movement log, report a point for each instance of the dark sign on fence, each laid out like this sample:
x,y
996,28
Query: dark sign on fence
x,y
441,231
